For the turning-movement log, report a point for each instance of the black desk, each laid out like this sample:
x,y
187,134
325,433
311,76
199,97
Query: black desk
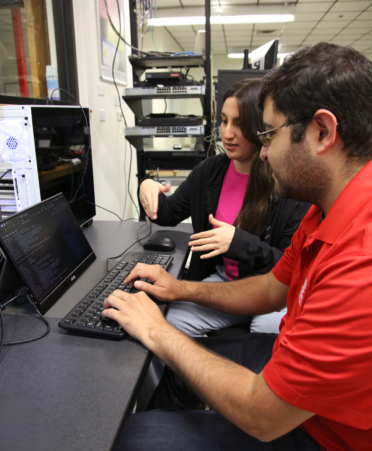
x,y
70,392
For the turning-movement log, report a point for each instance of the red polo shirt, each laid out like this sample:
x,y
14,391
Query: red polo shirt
x,y
322,359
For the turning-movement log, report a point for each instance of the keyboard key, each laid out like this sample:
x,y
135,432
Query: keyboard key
x,y
99,325
69,322
76,313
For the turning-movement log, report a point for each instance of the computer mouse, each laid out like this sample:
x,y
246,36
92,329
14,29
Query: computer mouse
x,y
159,244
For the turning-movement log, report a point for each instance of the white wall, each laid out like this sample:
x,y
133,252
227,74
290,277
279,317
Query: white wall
x,y
222,62
108,142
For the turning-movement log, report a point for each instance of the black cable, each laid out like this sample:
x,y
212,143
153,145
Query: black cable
x,y
166,106
138,241
130,167
160,54
29,340
44,96
92,203
85,163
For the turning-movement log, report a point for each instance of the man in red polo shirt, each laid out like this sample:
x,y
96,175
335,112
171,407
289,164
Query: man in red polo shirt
x,y
309,388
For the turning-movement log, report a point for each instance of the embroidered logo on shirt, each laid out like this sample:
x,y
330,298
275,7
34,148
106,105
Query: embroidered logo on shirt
x,y
301,297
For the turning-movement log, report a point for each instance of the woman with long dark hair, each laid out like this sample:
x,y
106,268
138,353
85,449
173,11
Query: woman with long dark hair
x,y
240,227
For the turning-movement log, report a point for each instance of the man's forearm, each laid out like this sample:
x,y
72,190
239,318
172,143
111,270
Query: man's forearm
x,y
237,393
251,296
207,374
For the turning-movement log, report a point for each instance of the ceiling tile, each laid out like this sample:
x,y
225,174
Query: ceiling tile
x,y
167,3
238,27
355,31
269,2
341,16
342,41
366,16
240,2
312,41
300,25
306,17
297,32
190,3
366,39
259,41
311,7
321,36
361,24
327,24
183,28
350,6
362,46
269,26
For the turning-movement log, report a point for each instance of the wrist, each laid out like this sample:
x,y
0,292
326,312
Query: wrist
x,y
187,290
158,337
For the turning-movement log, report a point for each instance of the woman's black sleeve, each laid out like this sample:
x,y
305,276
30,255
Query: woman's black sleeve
x,y
175,208
259,257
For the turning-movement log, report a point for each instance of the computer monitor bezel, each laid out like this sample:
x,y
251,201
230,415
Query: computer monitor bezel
x,y
45,304
265,57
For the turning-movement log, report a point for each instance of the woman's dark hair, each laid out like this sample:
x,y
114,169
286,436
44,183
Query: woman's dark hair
x,y
258,196
338,79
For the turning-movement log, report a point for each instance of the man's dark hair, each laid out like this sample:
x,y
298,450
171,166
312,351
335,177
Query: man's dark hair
x,y
338,79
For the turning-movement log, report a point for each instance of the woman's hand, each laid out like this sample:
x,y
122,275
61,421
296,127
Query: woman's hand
x,y
217,240
149,196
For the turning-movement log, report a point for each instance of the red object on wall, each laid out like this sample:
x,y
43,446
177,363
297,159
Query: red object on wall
x,y
20,52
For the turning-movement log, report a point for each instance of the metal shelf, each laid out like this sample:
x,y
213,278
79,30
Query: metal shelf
x,y
141,64
137,141
135,102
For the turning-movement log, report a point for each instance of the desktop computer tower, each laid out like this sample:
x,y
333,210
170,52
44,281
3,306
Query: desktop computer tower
x,y
45,150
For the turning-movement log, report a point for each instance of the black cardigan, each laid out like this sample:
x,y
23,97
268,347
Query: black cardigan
x,y
198,197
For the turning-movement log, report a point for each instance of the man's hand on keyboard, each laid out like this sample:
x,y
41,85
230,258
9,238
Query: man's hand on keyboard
x,y
163,286
136,313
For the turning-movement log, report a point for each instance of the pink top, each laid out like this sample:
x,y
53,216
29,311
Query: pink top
x,y
230,203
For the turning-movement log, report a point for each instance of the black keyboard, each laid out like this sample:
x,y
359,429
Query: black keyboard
x,y
86,315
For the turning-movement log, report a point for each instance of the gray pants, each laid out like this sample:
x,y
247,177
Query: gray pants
x,y
196,320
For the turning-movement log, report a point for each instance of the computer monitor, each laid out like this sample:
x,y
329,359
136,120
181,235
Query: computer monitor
x,y
226,78
265,57
46,247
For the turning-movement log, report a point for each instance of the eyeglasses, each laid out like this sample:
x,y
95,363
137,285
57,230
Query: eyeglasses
x,y
265,137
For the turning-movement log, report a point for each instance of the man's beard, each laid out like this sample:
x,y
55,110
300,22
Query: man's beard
x,y
301,177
